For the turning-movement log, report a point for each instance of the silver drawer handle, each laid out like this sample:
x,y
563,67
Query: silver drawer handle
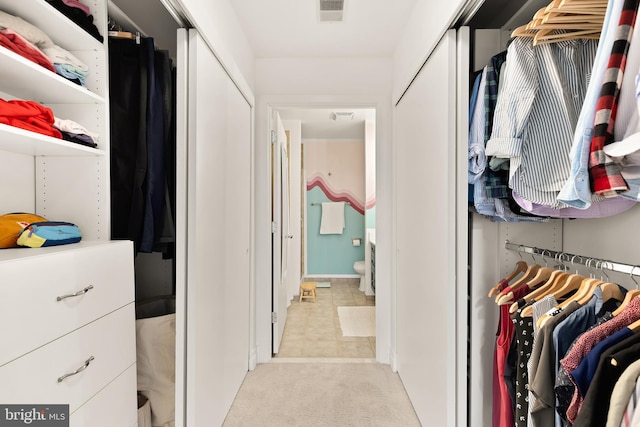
x,y
77,371
82,292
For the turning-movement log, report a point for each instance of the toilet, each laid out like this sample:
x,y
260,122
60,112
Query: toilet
x,y
359,267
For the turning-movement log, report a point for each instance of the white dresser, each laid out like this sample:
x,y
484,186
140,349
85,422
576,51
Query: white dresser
x,y
67,317
64,310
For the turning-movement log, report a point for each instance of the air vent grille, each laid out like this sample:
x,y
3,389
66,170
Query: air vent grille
x,y
330,10
331,5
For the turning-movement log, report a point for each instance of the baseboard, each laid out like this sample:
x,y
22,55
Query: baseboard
x,y
253,359
393,361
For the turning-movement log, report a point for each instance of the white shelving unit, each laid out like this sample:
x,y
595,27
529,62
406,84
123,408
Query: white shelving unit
x,y
93,324
56,179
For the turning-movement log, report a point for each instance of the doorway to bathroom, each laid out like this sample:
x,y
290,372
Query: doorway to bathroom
x,y
323,199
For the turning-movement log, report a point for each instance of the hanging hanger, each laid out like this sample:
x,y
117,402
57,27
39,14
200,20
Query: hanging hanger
x,y
520,267
525,279
529,274
565,20
555,282
125,35
582,296
629,296
543,277
609,290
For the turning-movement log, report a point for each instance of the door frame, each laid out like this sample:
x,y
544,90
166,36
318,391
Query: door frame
x,y
385,325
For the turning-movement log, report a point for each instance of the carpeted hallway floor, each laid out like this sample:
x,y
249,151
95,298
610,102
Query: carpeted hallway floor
x,y
336,394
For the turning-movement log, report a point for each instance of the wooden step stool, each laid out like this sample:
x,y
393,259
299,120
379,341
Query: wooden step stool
x,y
308,290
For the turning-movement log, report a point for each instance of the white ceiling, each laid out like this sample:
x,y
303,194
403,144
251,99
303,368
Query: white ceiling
x,y
290,28
317,123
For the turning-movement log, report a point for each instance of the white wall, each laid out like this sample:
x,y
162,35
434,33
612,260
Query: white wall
x,y
295,149
217,22
323,82
427,24
317,76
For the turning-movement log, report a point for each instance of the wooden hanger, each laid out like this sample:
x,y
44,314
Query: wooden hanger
x,y
611,291
582,296
125,35
635,328
554,282
544,277
520,267
627,299
524,279
565,20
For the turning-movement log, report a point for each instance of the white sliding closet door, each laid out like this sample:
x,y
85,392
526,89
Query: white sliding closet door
x,y
431,238
213,284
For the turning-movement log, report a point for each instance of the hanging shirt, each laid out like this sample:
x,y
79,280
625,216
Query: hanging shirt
x,y
503,409
627,126
631,417
606,177
540,79
541,373
474,93
496,181
596,405
590,339
576,192
599,209
622,393
477,158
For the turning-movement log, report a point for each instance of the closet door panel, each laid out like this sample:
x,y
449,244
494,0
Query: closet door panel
x,y
426,199
217,267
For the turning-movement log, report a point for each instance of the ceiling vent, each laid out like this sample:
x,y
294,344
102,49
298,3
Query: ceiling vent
x,y
331,10
340,116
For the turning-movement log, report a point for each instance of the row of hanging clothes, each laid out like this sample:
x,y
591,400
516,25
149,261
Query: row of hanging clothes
x,y
554,122
143,142
567,349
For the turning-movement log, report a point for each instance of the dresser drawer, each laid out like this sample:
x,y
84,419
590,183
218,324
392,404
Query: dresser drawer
x,y
115,405
34,377
31,314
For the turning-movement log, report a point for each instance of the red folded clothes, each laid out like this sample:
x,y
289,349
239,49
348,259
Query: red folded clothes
x,y
16,43
28,115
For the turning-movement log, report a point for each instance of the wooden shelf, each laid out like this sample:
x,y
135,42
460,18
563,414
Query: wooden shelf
x,y
30,81
18,140
63,31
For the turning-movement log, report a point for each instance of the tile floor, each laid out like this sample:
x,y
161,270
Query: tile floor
x,y
313,329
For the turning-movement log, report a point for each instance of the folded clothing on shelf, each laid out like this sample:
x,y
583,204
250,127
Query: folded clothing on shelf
x,y
28,115
23,47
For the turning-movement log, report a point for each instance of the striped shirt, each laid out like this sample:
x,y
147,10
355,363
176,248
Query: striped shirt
x,y
536,113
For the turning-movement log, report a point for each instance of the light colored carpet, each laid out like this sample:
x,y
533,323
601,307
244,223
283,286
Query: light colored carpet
x,y
322,395
357,321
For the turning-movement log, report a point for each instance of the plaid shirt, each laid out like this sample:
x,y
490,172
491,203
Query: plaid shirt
x,y
496,182
606,176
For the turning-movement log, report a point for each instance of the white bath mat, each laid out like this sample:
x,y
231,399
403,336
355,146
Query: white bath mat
x,y
323,284
357,321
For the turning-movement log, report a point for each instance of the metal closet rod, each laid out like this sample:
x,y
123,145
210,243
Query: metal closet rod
x,y
576,259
